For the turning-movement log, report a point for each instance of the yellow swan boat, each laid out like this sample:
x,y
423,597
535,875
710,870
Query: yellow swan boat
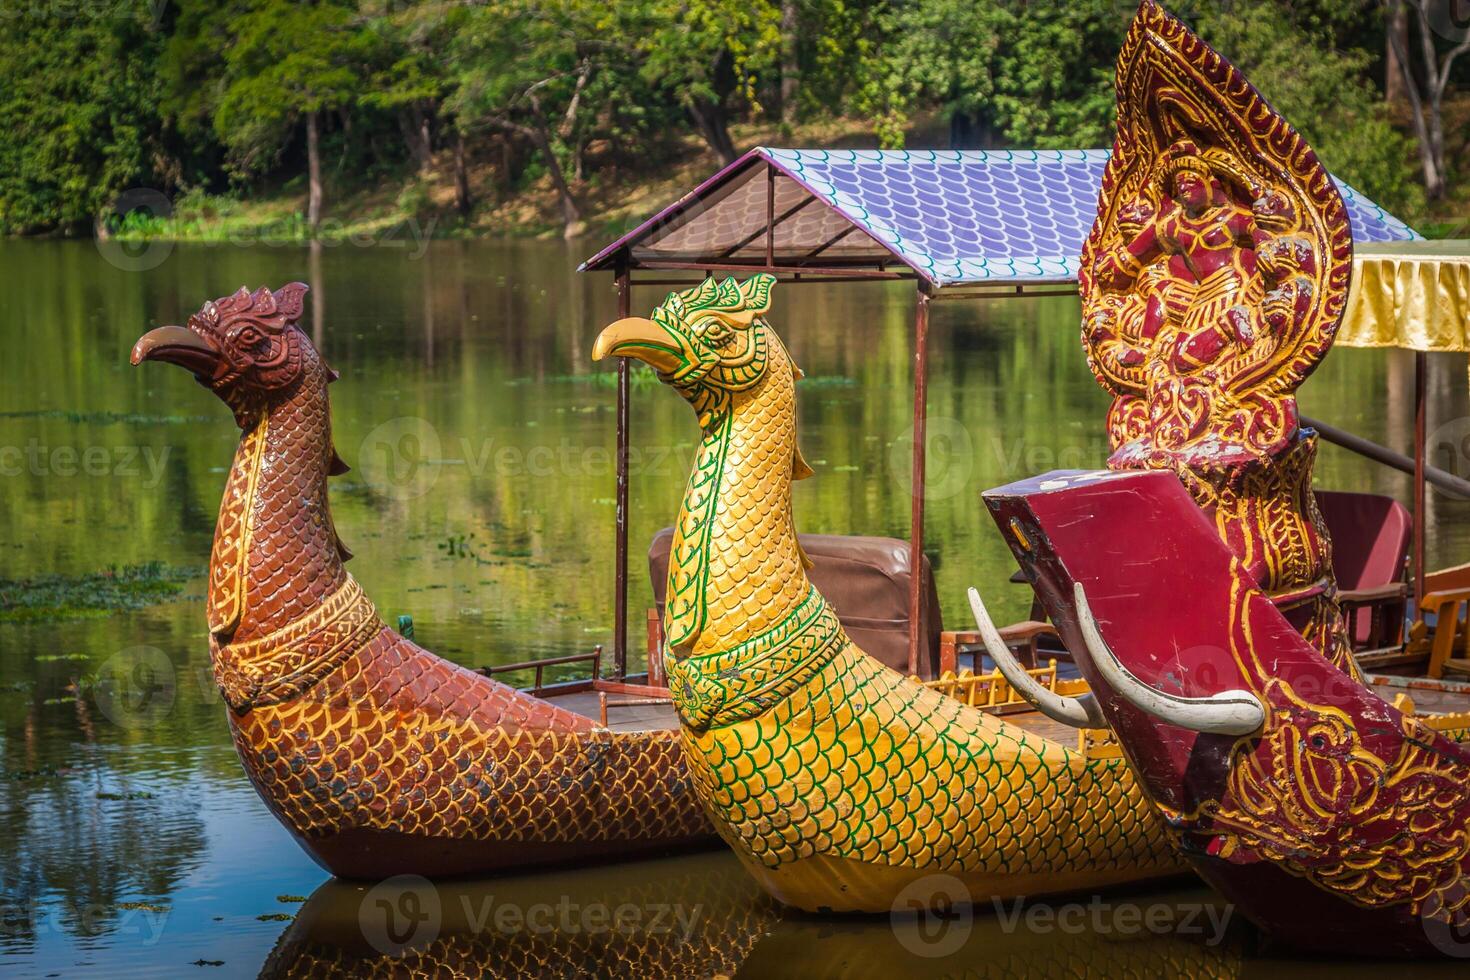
x,y
841,784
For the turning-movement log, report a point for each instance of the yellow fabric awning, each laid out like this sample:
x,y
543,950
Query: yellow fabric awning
x,y
1414,295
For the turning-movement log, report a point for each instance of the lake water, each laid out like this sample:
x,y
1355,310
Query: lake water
x,y
481,504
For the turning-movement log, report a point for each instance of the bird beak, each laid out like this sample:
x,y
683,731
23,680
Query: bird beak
x,y
636,337
181,346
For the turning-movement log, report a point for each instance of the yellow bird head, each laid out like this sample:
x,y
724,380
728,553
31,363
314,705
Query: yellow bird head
x,y
705,339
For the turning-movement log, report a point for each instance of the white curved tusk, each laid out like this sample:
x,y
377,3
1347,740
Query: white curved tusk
x,y
1233,712
1083,712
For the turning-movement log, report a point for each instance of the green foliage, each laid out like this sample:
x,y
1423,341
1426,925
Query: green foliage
x,y
1033,74
78,110
208,96
53,597
280,61
708,50
1326,96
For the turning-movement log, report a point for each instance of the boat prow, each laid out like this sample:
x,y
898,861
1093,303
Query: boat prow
x,y
1337,824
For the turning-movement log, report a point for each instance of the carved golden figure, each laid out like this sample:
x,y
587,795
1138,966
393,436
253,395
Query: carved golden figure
x,y
1212,283
836,780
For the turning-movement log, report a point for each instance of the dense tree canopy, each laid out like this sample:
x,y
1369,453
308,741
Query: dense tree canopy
x,y
241,95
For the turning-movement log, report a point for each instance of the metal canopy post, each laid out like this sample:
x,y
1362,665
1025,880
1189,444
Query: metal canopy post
x,y
1421,387
771,214
916,515
620,573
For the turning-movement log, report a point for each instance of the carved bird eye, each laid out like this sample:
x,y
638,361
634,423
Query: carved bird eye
x,y
1319,742
249,338
718,333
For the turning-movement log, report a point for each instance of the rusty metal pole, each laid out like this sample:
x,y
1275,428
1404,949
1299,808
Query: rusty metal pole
x,y
770,216
916,516
620,581
1421,388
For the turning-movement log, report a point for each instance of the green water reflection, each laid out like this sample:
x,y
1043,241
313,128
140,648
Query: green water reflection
x,y
480,503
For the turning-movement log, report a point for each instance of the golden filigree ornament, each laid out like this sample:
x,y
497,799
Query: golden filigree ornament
x,y
1213,282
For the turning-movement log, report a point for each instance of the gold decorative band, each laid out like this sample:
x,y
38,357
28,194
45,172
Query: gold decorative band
x,y
744,681
286,663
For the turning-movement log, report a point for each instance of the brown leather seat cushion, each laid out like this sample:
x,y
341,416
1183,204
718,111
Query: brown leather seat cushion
x,y
867,582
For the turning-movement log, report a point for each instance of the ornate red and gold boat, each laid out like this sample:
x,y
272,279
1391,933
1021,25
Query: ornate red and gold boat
x,y
1333,819
1197,590
379,757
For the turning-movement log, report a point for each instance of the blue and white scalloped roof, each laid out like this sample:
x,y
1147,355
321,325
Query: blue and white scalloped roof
x,y
957,216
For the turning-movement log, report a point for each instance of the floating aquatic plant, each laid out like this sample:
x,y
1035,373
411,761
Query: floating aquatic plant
x,y
107,418
53,597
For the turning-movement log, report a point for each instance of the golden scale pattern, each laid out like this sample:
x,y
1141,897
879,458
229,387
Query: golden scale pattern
x,y
861,763
846,761
397,739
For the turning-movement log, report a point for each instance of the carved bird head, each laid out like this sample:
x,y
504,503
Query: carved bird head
x,y
245,347
704,340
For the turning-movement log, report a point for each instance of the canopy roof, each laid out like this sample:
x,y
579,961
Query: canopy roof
x,y
949,217
1410,294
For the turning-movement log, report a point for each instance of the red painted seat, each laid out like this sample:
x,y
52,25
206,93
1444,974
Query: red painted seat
x,y
1370,545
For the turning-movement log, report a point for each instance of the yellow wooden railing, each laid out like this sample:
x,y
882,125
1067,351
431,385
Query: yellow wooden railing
x,y
991,690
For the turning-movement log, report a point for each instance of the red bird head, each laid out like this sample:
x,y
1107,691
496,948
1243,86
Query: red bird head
x,y
246,347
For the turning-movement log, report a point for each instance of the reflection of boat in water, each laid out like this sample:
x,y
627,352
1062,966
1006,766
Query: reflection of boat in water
x,y
703,916
737,931
695,916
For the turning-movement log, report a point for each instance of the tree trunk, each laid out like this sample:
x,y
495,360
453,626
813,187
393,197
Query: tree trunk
x,y
313,172
1419,110
415,125
462,201
1396,40
570,213
790,67
710,117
